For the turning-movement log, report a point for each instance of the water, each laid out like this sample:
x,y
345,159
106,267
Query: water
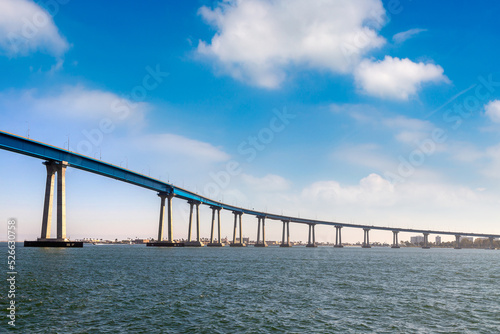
x,y
138,289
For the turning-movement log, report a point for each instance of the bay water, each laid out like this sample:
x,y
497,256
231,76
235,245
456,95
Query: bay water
x,y
139,289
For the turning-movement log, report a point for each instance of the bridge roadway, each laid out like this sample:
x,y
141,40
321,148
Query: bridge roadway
x,y
36,149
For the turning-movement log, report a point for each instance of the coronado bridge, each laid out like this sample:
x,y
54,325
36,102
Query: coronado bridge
x,y
57,160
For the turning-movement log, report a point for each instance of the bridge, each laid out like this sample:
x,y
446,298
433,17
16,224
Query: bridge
x,y
56,160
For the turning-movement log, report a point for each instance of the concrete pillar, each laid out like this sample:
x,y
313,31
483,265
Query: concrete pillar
x,y
426,241
197,222
49,200
191,204
258,230
61,200
218,224
288,233
491,243
235,225
338,236
283,235
213,223
366,242
237,215
309,238
395,242
457,240
264,230
261,220
215,209
241,232
162,196
286,229
169,218
312,236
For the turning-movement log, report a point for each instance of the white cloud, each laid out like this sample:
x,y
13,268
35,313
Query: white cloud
x,y
257,40
395,78
78,103
423,202
268,183
405,35
367,155
25,27
492,110
179,145
371,190
410,130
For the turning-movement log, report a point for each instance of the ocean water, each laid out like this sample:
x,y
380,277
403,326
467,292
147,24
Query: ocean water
x,y
139,289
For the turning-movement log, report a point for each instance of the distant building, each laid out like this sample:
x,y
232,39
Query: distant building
x,y
246,240
438,240
416,240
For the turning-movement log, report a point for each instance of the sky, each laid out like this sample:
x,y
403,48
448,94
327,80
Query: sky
x,y
359,111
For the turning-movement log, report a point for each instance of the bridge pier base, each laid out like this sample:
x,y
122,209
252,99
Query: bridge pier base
x,y
53,169
338,237
161,242
312,237
261,219
212,243
286,226
426,241
491,243
457,242
197,242
237,218
366,241
395,243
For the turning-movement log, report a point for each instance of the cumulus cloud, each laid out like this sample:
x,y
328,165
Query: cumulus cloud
x,y
25,27
492,110
376,191
395,78
258,40
179,145
371,190
405,35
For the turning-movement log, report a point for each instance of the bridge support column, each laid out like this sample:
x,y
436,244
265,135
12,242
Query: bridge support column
x,y
61,200
457,241
218,243
338,237
366,241
312,237
491,243
165,197
162,216
261,219
237,219
49,200
53,169
395,242
426,241
286,227
196,243
170,231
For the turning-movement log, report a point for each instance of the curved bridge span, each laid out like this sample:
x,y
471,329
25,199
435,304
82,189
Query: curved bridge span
x,y
57,160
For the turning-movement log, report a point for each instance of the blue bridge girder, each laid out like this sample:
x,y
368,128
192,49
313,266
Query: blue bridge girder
x,y
36,149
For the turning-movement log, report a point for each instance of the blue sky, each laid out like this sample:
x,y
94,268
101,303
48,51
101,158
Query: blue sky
x,y
370,112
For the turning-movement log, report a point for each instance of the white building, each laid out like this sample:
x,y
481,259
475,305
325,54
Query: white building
x,y
416,240
438,240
